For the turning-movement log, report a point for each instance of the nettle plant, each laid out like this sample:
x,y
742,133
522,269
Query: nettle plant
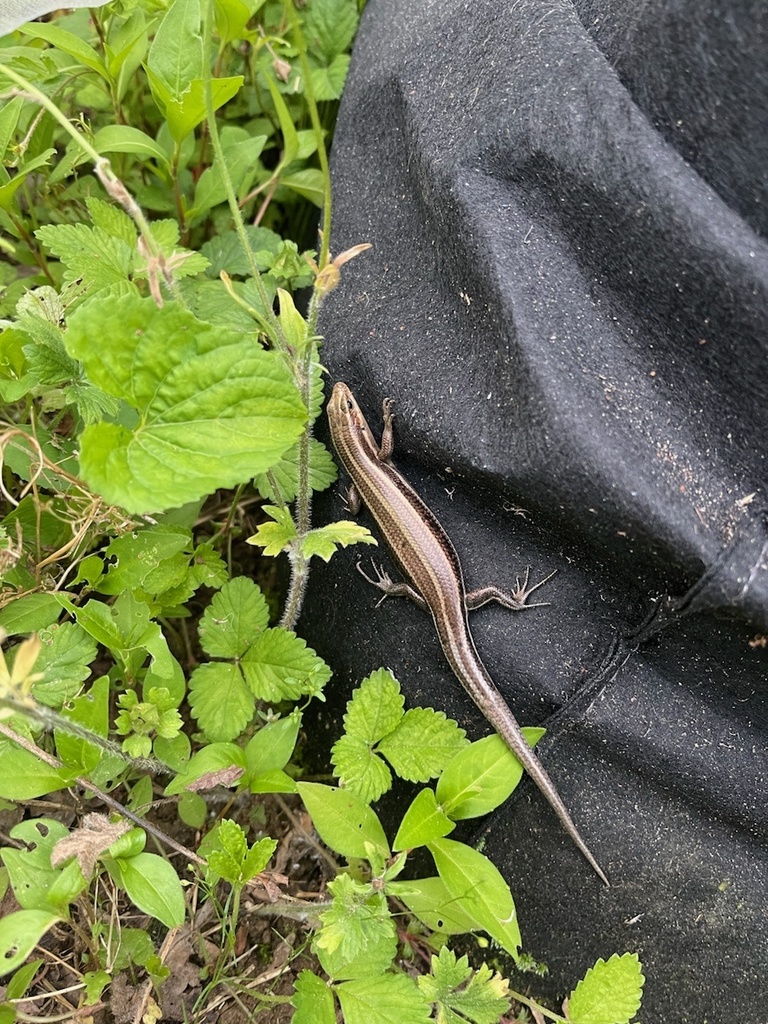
x,y
160,385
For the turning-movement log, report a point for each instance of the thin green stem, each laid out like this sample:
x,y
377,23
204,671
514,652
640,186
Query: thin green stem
x,y
537,1007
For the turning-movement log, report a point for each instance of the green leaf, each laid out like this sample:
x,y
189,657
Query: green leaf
x,y
220,700
422,823
328,82
479,889
233,859
37,885
234,619
152,884
279,666
388,999
90,710
176,54
68,43
89,253
22,979
123,138
19,934
29,613
188,110
272,747
357,922
330,26
213,409
231,17
215,759
481,776
433,903
324,540
343,821
422,744
359,769
313,1000
483,1000
376,707
140,553
277,536
24,776
287,128
322,472
65,662
9,189
225,251
95,983
609,993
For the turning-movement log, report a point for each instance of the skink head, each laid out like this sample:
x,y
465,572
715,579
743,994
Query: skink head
x,y
347,420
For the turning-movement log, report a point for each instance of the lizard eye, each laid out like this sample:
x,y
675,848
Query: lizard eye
x,y
350,404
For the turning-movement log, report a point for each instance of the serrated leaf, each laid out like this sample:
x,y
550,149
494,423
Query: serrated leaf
x,y
376,707
322,472
422,823
66,653
481,776
89,253
328,82
220,701
234,619
483,1000
324,540
279,666
313,1000
479,890
422,744
330,26
225,251
343,821
388,999
152,884
358,768
276,536
609,993
213,409
357,921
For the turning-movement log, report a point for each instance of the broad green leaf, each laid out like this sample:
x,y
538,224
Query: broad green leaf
x,y
313,1000
309,184
29,613
212,760
136,554
273,745
376,707
279,666
176,54
343,821
68,43
324,540
220,700
422,823
90,254
153,885
9,118
234,619
479,890
481,776
433,903
328,82
36,884
212,408
22,979
24,776
330,26
123,138
19,934
359,769
388,999
322,473
225,251
609,993
91,711
231,18
188,110
422,744
65,663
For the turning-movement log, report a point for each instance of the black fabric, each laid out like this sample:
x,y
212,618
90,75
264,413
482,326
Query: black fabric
x,y
567,299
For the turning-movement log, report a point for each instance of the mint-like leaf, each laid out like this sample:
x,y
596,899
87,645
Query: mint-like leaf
x,y
234,619
220,700
279,666
359,769
376,707
212,409
326,539
422,744
483,1000
609,993
387,999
